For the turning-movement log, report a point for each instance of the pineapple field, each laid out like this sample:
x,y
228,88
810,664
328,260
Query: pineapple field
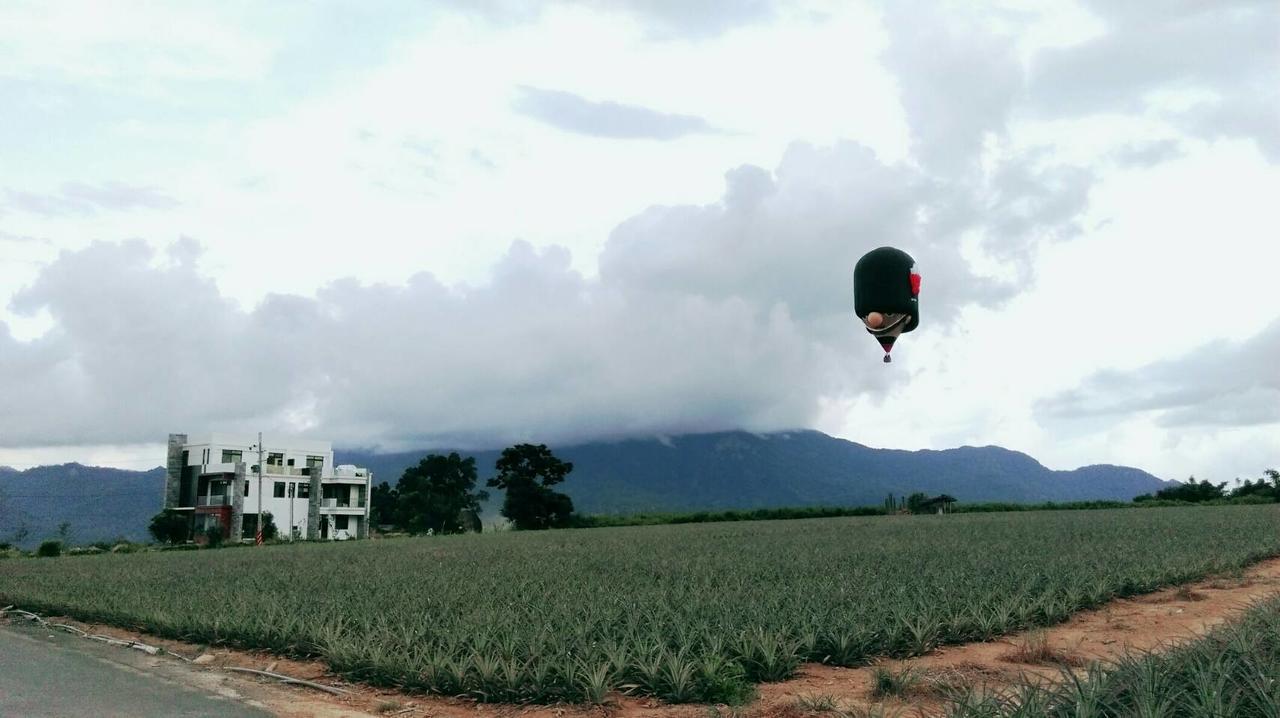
x,y
688,613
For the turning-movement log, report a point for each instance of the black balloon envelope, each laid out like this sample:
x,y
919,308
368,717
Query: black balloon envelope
x,y
886,294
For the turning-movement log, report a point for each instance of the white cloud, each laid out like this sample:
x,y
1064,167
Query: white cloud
x,y
119,43
1223,57
1065,175
571,113
79,199
734,314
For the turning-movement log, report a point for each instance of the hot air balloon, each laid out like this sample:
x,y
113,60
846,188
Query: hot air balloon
x,y
886,294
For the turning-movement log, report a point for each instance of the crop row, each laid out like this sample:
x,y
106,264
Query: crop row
x,y
689,613
1235,671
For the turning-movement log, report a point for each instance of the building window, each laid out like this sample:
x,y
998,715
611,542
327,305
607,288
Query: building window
x,y
275,459
314,461
246,488
340,523
231,457
304,491
279,490
290,462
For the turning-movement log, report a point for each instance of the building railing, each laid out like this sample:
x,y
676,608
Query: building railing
x,y
217,468
213,501
341,504
276,470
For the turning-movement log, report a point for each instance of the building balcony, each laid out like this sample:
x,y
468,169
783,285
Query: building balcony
x,y
277,470
340,504
218,468
347,480
343,511
213,501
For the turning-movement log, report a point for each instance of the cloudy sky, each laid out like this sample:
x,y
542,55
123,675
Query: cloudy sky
x,y
468,223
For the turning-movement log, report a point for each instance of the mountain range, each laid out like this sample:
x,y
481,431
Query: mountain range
x,y
99,503
725,470
737,469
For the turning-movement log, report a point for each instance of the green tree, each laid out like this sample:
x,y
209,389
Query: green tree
x,y
168,526
435,494
382,504
526,473
249,526
269,530
1267,487
1191,491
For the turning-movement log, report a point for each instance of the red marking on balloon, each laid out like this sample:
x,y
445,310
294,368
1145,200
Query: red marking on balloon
x,y
915,284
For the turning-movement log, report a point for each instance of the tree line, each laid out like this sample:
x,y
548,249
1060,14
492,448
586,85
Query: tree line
x,y
439,494
1263,490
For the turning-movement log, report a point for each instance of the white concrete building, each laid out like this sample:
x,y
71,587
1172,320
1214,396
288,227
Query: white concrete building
x,y
216,479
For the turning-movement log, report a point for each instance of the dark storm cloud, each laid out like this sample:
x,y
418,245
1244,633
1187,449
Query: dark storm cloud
x,y
571,113
77,199
1237,385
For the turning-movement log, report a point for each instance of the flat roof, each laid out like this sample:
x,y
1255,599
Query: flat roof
x,y
276,443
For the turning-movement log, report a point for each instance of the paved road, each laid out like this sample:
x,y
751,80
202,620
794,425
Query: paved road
x,y
52,674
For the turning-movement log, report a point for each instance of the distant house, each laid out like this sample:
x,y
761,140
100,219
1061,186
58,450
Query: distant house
x,y
938,504
215,480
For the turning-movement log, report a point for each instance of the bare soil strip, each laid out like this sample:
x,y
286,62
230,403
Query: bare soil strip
x,y
1150,622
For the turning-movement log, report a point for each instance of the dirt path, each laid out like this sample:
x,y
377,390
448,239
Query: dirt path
x,y
1147,622
1151,621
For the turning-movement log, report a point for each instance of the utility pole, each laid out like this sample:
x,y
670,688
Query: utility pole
x,y
262,470
293,491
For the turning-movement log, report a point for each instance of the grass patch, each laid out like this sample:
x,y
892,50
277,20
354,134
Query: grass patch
x,y
821,703
1034,649
889,683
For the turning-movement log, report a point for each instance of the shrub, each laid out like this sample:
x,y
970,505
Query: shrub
x,y
269,530
169,526
213,536
52,547
108,545
85,551
250,525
